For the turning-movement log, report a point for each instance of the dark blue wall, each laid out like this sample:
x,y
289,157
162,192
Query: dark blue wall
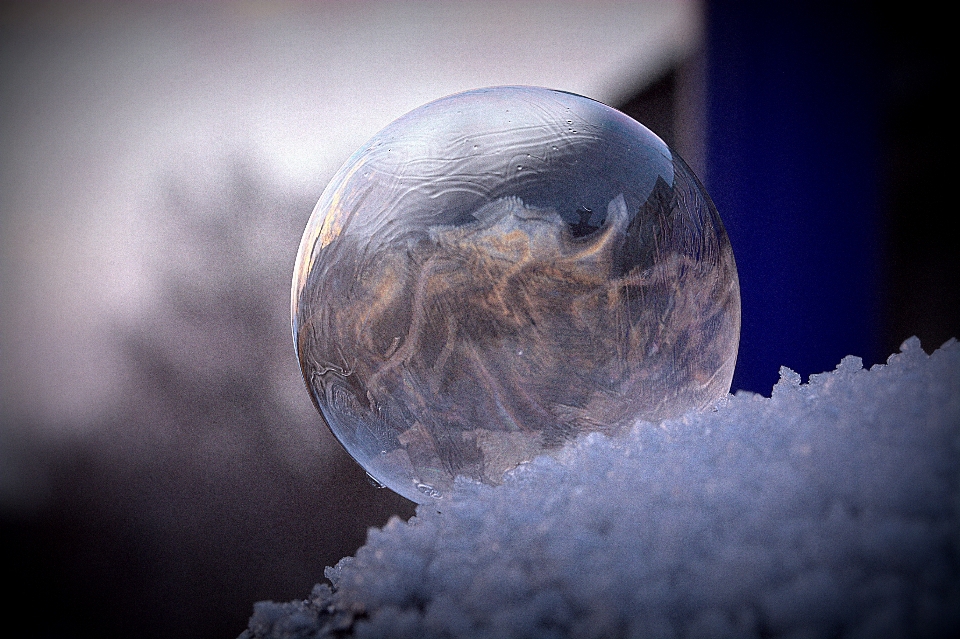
x,y
793,169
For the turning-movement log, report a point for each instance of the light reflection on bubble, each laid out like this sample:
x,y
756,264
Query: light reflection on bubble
x,y
500,271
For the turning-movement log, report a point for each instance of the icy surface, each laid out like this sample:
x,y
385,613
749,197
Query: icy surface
x,y
827,510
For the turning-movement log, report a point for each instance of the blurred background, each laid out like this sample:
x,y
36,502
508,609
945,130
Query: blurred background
x,y
161,465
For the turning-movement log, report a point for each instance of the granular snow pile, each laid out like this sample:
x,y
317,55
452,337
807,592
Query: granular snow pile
x,y
831,509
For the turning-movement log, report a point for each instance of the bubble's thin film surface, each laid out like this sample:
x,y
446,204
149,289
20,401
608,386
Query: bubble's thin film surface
x,y
500,271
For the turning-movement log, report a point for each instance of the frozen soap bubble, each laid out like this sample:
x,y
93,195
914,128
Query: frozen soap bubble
x,y
500,271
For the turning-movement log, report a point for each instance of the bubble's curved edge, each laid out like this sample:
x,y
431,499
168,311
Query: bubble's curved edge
x,y
322,230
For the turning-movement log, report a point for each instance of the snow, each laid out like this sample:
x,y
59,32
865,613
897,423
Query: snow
x,y
831,508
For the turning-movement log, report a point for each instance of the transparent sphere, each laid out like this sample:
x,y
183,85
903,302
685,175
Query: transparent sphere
x,y
500,271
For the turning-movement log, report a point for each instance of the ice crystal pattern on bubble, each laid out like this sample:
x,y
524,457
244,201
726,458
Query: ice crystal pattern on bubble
x,y
500,271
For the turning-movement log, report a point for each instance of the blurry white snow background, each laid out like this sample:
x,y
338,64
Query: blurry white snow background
x,y
831,509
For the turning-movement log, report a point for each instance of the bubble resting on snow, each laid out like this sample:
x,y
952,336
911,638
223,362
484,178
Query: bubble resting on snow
x,y
830,509
500,271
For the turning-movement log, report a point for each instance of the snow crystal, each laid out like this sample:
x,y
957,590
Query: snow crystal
x,y
830,509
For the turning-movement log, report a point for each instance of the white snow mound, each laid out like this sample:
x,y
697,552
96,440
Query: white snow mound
x,y
831,509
